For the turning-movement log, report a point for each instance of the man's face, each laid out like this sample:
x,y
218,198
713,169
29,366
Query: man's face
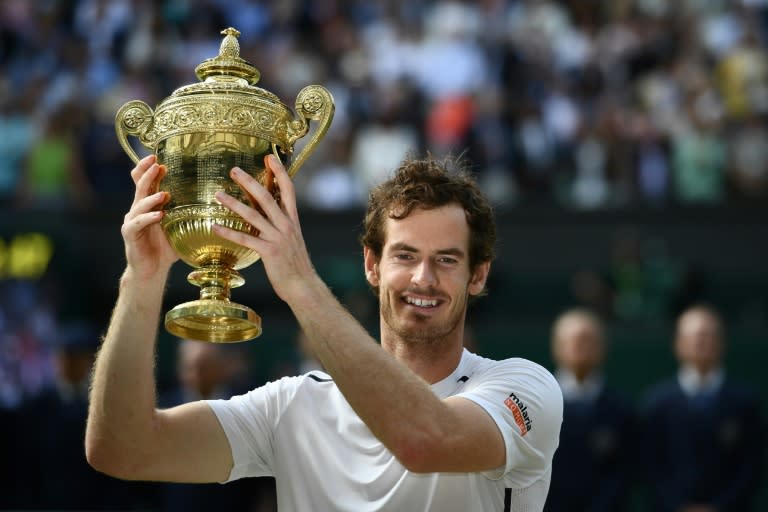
x,y
578,345
698,342
423,275
200,366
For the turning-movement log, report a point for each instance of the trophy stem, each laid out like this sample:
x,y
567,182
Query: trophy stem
x,y
214,318
215,281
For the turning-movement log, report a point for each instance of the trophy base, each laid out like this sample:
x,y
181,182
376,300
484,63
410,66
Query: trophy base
x,y
213,320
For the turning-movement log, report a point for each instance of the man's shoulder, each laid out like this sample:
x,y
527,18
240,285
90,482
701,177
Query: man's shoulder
x,y
517,377
290,385
514,367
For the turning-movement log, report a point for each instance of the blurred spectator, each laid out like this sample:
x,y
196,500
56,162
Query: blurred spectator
x,y
54,177
652,162
19,131
742,77
593,467
51,430
699,153
383,141
704,435
643,282
28,311
590,188
644,277
209,371
748,159
333,186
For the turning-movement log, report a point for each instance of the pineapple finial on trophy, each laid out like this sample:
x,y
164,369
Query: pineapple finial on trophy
x,y
230,46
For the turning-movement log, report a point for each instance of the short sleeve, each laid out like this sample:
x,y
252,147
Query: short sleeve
x,y
525,401
249,422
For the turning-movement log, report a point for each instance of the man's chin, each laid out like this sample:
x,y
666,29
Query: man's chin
x,y
420,333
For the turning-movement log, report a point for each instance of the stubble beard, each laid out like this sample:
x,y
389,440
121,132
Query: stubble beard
x,y
427,334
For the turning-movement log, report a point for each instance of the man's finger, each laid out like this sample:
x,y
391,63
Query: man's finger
x,y
284,184
141,167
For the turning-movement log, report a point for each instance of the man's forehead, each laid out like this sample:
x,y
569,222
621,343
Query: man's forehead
x,y
448,213
445,227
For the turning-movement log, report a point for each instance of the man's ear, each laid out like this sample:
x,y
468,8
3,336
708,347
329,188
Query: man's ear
x,y
371,262
479,277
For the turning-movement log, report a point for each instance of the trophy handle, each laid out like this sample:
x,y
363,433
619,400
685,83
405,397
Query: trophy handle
x,y
133,118
314,103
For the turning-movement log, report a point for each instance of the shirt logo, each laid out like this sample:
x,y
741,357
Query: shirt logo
x,y
519,413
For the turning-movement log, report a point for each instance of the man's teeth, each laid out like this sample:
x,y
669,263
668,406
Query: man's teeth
x,y
421,302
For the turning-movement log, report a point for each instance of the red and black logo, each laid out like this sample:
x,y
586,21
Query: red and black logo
x,y
519,413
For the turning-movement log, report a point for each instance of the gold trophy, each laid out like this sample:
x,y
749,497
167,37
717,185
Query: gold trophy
x,y
199,133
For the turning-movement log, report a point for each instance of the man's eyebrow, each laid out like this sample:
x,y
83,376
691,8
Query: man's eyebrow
x,y
452,251
401,246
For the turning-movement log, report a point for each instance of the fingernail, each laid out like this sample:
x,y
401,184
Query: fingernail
x,y
237,171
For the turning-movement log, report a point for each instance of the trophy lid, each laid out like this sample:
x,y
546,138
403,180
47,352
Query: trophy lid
x,y
227,73
228,62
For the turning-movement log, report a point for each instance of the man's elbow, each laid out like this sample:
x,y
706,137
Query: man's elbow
x,y
105,458
418,454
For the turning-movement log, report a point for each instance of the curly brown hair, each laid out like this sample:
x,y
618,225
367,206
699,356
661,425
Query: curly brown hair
x,y
429,183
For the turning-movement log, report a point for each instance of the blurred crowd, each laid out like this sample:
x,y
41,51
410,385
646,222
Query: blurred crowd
x,y
575,103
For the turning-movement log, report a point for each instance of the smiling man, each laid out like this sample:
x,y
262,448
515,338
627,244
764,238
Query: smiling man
x,y
413,423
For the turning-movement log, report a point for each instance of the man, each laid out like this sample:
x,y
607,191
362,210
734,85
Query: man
x,y
415,423
208,371
705,436
592,469
55,474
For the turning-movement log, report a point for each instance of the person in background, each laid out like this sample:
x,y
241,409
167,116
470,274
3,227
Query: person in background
x,y
209,371
592,468
51,428
704,433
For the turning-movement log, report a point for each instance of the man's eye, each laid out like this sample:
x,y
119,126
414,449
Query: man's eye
x,y
403,256
447,260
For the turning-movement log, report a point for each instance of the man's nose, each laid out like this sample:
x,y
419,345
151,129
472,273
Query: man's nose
x,y
424,274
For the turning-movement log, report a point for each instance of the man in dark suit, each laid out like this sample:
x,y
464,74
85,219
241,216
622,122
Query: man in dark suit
x,y
592,468
704,432
50,429
210,371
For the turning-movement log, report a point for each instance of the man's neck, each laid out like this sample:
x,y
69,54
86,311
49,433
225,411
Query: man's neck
x,y
432,361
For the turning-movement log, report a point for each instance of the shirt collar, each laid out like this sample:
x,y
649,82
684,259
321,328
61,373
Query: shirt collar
x,y
446,387
692,382
588,389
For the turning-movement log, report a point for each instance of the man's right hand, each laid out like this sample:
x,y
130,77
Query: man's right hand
x,y
147,249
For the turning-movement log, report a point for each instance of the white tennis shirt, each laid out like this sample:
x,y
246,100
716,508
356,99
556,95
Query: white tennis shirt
x,y
302,431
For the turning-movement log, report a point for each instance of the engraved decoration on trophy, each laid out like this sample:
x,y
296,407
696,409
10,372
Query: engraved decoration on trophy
x,y
199,133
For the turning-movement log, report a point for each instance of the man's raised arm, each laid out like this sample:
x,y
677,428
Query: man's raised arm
x,y
127,436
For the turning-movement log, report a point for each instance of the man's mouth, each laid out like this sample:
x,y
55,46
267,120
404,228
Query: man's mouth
x,y
422,303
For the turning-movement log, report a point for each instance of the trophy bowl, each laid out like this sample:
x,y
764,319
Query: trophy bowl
x,y
199,133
